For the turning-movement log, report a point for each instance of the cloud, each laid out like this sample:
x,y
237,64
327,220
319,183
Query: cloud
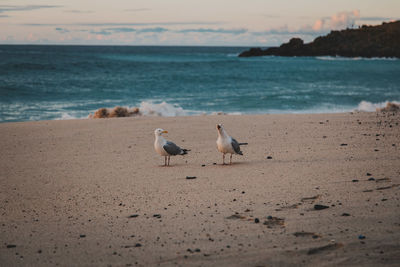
x,y
62,30
221,31
344,20
285,30
153,30
101,32
376,18
177,23
10,8
338,21
109,31
119,30
318,25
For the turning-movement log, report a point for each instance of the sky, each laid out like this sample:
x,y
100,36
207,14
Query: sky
x,y
184,22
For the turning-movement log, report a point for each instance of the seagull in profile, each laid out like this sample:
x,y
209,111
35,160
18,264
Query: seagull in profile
x,y
166,148
227,144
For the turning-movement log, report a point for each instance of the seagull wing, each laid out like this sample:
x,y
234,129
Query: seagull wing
x,y
236,146
172,149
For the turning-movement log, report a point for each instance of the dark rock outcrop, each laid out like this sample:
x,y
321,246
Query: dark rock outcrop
x,y
366,41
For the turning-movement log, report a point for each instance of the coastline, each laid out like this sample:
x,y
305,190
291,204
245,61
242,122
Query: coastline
x,y
72,186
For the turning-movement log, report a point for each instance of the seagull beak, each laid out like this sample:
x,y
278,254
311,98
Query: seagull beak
x,y
164,131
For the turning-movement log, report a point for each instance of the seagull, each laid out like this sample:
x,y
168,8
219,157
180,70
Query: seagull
x,y
227,144
166,148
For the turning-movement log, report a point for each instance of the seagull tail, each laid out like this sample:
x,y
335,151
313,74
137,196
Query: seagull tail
x,y
243,144
184,151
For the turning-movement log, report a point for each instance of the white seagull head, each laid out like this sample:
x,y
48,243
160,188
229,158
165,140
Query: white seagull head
x,y
159,131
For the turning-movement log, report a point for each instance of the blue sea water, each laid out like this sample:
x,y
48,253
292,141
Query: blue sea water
x,y
61,82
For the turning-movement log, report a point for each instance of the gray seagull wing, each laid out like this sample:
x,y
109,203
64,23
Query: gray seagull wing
x,y
172,149
236,146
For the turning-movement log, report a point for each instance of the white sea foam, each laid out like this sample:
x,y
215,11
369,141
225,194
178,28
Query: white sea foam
x,y
370,107
66,116
164,109
337,58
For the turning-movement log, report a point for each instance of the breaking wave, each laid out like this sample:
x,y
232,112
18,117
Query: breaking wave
x,y
371,107
354,58
163,109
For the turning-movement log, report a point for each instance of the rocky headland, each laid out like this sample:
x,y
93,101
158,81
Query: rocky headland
x,y
366,41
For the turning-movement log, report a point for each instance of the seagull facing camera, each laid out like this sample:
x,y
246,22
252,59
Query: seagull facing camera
x,y
227,145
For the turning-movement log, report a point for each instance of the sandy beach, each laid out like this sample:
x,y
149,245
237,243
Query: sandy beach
x,y
311,190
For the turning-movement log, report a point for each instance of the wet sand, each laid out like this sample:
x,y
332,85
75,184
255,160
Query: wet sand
x,y
318,189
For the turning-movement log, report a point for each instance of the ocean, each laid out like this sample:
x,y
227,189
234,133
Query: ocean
x,y
67,82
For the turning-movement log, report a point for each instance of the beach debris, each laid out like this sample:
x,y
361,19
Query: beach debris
x,y
191,177
133,216
157,216
101,113
343,144
119,112
274,221
11,246
269,157
361,237
388,187
235,217
306,234
82,236
116,112
320,207
134,111
368,174
293,206
256,220
345,214
390,107
133,246
371,179
310,199
328,247
355,180
382,180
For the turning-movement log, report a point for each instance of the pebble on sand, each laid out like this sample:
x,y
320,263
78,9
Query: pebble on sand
x,y
320,207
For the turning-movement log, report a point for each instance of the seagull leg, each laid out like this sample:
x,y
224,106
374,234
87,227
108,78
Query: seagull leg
x,y
169,157
223,159
230,162
165,160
